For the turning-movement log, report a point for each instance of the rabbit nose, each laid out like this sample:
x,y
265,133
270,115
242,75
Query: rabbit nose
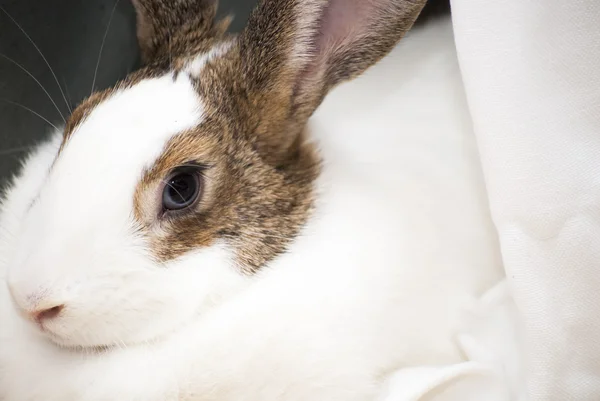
x,y
41,315
34,307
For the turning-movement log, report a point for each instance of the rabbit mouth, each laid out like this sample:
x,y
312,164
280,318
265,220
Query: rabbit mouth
x,y
73,344
62,343
67,343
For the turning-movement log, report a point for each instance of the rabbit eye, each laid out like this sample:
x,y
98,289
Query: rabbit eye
x,y
182,188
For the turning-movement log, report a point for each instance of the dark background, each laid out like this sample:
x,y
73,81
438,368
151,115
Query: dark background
x,y
70,34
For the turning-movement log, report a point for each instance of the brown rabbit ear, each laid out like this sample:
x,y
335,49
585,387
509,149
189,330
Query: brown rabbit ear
x,y
294,51
173,28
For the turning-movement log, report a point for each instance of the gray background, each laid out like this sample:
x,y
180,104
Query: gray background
x,y
69,33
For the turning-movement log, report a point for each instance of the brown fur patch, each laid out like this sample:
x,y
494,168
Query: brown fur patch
x,y
170,29
255,207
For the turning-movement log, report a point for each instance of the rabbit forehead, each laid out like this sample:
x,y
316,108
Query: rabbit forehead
x,y
144,106
102,158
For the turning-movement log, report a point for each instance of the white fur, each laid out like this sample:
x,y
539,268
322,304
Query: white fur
x,y
400,240
195,66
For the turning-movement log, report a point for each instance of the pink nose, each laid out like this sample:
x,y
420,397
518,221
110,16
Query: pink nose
x,y
46,314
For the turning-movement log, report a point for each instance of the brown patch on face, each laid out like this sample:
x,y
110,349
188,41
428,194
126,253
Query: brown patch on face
x,y
253,201
254,207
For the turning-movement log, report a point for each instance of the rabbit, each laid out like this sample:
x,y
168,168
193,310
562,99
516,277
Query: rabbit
x,y
290,214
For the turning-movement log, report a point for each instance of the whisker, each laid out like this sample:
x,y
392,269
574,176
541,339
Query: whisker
x,y
38,82
31,111
112,13
40,53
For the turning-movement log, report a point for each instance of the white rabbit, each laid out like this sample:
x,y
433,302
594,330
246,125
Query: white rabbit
x,y
188,236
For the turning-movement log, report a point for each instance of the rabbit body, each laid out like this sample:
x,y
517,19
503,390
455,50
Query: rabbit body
x,y
399,239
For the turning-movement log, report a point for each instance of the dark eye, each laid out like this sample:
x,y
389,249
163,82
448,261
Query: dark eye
x,y
182,189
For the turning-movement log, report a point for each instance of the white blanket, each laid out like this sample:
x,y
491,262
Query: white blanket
x,y
531,70
491,371
532,74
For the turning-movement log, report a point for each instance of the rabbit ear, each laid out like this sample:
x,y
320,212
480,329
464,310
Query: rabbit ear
x,y
172,28
295,51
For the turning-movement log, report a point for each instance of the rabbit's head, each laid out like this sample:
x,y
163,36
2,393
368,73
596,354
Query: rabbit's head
x,y
171,189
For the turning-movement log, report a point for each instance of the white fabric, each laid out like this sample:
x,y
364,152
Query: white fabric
x,y
491,370
531,70
532,74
